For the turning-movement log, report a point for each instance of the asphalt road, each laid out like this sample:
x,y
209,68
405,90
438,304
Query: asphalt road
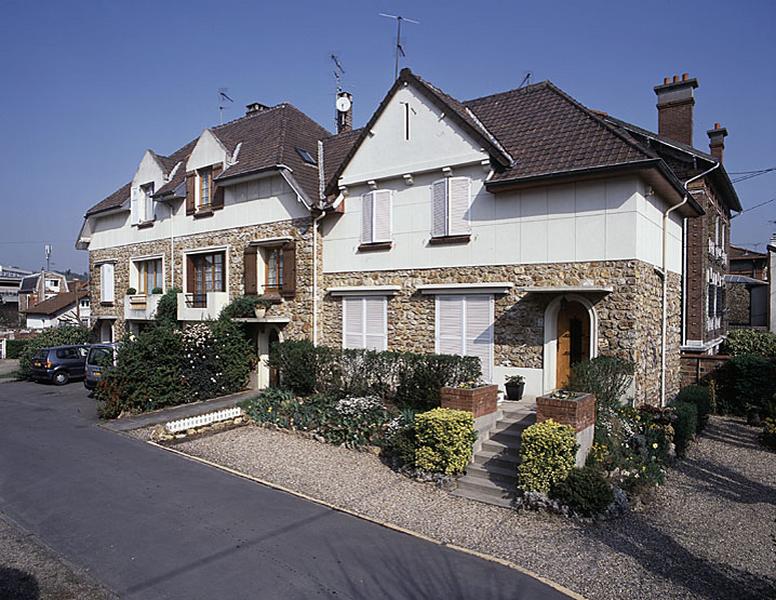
x,y
150,524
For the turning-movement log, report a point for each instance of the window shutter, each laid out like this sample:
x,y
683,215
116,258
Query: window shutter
x,y
289,270
190,200
106,282
439,208
376,325
250,273
367,218
449,325
149,206
191,275
352,322
459,200
134,205
382,209
217,192
479,332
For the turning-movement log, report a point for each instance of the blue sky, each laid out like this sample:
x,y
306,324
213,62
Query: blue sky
x,y
88,86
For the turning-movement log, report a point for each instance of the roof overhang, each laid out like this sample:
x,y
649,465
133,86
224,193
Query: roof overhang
x,y
567,289
496,287
733,278
364,290
273,241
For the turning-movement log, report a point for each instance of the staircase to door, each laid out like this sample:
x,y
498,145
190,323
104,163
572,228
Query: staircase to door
x,y
491,477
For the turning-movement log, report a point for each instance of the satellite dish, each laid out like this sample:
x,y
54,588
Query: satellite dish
x,y
343,104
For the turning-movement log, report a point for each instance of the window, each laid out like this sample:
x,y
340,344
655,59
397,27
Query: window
x,y
365,322
52,284
464,326
450,200
106,282
273,280
305,156
376,216
142,204
204,184
150,275
712,300
206,274
407,112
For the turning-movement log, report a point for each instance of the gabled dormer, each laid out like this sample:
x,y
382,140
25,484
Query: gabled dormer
x,y
149,177
205,164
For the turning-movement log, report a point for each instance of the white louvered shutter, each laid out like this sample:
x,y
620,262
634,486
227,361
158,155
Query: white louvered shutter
x,y
106,282
459,199
479,332
149,206
439,208
367,218
375,312
381,207
352,323
134,205
449,324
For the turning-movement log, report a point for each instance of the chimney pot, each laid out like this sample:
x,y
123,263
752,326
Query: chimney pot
x,y
684,76
675,101
666,80
255,107
717,137
676,78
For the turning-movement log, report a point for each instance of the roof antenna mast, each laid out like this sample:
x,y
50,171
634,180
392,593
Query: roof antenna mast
x,y
338,71
399,49
223,98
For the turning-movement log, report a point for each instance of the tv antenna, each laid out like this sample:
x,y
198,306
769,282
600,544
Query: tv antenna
x,y
338,71
526,79
223,98
399,49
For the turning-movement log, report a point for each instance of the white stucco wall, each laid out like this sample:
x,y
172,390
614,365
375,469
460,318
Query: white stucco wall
x,y
148,171
254,202
207,151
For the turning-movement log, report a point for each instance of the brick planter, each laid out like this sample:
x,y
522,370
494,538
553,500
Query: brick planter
x,y
579,412
478,401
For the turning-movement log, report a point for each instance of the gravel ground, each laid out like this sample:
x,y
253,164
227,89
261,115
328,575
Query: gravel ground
x,y
708,533
31,571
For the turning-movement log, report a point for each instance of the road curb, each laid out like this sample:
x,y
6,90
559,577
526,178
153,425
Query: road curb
x,y
484,556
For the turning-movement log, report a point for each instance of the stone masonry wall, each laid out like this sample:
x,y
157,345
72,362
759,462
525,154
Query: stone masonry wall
x,y
738,303
629,318
298,309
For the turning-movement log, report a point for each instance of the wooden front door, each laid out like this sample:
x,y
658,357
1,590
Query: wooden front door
x,y
573,340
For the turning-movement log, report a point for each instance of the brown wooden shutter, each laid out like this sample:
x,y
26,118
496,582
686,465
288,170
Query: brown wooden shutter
x,y
190,206
218,191
250,275
191,282
289,270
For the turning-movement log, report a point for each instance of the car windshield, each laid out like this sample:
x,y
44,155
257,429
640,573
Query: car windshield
x,y
42,353
100,356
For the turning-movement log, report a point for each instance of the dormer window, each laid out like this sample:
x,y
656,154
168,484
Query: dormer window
x,y
142,204
204,188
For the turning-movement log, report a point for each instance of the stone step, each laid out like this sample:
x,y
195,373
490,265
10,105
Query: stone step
x,y
485,499
486,488
500,446
515,429
492,472
505,461
509,437
529,418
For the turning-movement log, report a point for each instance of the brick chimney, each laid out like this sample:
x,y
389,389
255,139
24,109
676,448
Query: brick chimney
x,y
344,110
717,141
255,107
675,104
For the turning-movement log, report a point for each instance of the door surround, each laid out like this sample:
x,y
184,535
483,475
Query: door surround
x,y
549,362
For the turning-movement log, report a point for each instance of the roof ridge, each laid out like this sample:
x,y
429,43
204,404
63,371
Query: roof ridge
x,y
247,116
529,87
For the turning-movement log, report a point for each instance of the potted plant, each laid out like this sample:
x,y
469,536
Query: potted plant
x,y
261,306
131,291
157,290
515,384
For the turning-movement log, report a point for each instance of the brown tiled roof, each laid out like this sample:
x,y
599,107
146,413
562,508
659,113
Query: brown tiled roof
x,y
741,253
335,148
56,304
115,200
179,156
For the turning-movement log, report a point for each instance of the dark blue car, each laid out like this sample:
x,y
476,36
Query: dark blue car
x,y
60,364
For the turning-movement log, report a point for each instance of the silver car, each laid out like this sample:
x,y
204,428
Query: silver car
x,y
101,358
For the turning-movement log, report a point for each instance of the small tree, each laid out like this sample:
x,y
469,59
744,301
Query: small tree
x,y
606,377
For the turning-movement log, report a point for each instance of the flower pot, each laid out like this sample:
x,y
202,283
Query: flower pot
x,y
259,311
514,390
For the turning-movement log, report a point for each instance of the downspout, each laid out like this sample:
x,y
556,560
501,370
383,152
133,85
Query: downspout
x,y
172,246
315,276
664,275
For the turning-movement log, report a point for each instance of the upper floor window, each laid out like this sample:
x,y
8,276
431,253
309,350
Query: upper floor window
x,y
150,275
450,204
204,187
142,203
376,217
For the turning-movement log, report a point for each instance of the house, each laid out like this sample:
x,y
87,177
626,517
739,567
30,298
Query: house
x,y
38,287
522,228
66,308
747,287
10,282
227,214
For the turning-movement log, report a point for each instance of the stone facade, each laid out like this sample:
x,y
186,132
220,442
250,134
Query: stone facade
x,y
738,303
298,309
629,318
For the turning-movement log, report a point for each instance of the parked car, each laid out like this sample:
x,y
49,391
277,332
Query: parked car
x,y
59,364
101,358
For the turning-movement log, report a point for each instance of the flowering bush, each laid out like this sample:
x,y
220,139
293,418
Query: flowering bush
x,y
356,422
399,438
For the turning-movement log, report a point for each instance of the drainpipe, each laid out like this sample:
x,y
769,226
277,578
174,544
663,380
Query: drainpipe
x,y
172,246
315,276
664,275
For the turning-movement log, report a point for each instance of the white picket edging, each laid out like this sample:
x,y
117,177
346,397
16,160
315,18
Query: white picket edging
x,y
202,420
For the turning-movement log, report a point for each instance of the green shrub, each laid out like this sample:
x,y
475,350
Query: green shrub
x,y
606,377
56,336
355,422
700,397
14,348
748,384
422,376
750,341
157,291
585,491
301,365
167,307
400,441
244,306
547,453
444,440
685,426
768,436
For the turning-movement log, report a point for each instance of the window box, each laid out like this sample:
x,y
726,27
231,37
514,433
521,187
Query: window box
x,y
203,212
137,299
464,238
375,246
479,401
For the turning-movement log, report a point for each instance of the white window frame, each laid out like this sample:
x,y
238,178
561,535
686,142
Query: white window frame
x,y
198,191
363,304
486,369
448,230
135,275
107,274
370,197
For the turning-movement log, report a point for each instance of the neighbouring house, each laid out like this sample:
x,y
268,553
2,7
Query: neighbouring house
x,y
522,228
41,286
66,308
10,282
227,214
747,288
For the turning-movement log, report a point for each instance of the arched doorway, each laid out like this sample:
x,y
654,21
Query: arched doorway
x,y
573,340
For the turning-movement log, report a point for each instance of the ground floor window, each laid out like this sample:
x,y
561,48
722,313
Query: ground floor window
x,y
464,326
365,322
206,274
149,275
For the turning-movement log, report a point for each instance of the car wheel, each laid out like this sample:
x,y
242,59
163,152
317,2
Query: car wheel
x,y
61,378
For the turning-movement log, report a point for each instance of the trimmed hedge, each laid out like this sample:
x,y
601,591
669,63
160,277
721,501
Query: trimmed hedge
x,y
748,382
408,379
56,336
444,439
685,426
548,453
699,396
750,341
14,348
585,491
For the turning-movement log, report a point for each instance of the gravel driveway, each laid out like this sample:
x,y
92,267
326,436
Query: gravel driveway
x,y
709,533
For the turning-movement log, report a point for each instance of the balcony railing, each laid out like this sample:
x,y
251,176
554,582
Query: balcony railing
x,y
201,307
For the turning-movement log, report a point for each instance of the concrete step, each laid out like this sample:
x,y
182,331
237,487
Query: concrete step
x,y
529,418
484,488
492,472
509,437
497,459
501,446
485,499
